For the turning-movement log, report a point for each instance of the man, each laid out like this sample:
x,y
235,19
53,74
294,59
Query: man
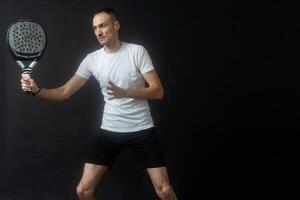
x,y
121,69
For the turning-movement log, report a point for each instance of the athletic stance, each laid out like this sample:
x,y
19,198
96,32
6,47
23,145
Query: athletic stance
x,y
122,70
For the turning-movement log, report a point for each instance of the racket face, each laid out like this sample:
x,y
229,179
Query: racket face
x,y
26,40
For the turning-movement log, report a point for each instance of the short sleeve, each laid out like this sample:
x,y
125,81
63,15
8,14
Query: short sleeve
x,y
145,63
84,68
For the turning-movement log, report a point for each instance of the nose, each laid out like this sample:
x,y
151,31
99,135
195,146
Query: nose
x,y
98,32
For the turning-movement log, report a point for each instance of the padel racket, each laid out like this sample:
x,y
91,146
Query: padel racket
x,y
27,42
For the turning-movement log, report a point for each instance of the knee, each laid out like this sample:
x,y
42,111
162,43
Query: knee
x,y
84,192
164,192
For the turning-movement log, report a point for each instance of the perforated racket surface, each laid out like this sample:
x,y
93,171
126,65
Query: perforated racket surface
x,y
27,41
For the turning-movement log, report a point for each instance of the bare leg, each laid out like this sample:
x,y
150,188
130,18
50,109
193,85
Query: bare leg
x,y
92,175
161,183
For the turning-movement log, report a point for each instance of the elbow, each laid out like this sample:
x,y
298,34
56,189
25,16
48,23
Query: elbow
x,y
63,98
65,94
160,94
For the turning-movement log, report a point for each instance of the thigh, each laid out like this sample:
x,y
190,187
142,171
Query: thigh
x,y
104,150
92,175
148,149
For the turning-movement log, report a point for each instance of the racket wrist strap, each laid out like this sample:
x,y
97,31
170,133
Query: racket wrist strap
x,y
37,91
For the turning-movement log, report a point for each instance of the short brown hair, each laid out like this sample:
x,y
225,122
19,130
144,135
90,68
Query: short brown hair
x,y
110,11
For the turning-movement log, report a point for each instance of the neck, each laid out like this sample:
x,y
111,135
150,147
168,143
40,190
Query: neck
x,y
114,46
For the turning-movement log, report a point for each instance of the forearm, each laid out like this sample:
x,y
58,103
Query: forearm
x,y
145,93
55,94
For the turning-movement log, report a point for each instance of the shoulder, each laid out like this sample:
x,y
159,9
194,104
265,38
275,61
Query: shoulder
x,y
93,55
91,58
134,47
136,51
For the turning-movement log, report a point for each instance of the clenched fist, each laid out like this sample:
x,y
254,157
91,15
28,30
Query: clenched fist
x,y
28,84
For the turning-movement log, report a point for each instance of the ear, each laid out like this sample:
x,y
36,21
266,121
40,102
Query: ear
x,y
117,25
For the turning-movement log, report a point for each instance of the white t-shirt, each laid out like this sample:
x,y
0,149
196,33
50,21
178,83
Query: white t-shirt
x,y
124,68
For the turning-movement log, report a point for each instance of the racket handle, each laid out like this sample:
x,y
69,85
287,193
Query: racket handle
x,y
28,92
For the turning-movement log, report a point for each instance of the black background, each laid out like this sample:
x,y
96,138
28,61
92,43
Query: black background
x,y
227,123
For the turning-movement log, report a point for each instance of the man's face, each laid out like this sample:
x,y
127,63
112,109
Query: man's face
x,y
105,29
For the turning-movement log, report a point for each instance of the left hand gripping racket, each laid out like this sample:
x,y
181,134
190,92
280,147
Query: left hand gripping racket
x,y
27,42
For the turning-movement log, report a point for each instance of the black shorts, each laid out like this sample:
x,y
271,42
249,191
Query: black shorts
x,y
107,145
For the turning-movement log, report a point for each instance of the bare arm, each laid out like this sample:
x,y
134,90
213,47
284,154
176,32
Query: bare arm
x,y
154,91
56,94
